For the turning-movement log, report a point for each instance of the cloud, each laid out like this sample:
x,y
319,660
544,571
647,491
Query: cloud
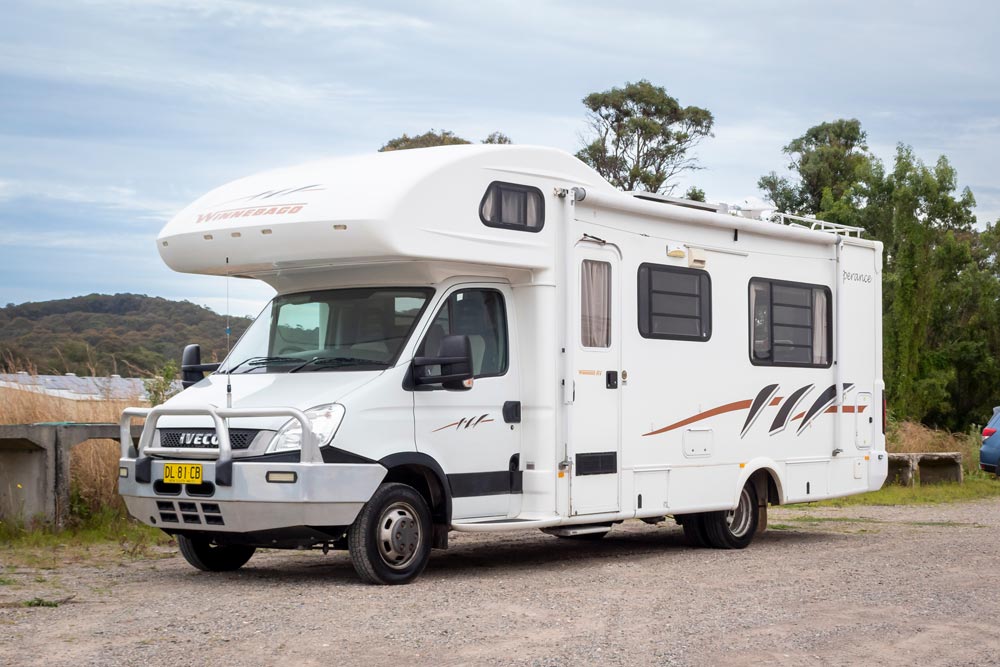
x,y
110,197
285,16
80,241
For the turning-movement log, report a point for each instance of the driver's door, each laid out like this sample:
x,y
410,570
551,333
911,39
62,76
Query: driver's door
x,y
465,431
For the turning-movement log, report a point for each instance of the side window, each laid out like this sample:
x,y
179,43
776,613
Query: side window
x,y
789,324
480,315
513,206
595,304
674,303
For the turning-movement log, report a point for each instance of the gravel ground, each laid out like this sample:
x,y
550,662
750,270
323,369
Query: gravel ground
x,y
859,585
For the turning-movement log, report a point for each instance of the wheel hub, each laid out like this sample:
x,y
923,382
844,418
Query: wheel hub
x,y
740,518
399,536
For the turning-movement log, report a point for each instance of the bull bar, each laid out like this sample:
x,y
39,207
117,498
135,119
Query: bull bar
x,y
310,452
243,500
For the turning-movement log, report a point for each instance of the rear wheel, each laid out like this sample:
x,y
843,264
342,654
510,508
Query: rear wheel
x,y
390,540
734,529
694,529
202,554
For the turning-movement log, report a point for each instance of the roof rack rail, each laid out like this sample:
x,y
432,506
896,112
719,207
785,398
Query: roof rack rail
x,y
818,225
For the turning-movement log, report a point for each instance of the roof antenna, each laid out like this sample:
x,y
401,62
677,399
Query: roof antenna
x,y
229,376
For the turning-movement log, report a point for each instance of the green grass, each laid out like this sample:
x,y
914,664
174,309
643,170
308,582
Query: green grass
x,y
976,487
99,536
39,602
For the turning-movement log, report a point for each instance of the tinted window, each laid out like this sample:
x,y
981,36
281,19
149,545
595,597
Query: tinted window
x,y
674,303
329,330
513,206
789,323
480,315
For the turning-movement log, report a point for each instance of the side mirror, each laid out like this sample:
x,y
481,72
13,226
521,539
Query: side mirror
x,y
192,370
455,359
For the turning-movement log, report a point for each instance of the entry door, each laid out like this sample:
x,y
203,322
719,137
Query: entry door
x,y
470,433
594,432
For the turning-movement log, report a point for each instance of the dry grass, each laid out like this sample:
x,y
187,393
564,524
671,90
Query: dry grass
x,y
94,478
93,464
910,437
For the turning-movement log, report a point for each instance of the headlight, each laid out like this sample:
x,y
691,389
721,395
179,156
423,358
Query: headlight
x,y
325,420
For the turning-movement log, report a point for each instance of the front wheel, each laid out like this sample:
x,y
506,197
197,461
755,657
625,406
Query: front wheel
x,y
734,529
390,540
208,557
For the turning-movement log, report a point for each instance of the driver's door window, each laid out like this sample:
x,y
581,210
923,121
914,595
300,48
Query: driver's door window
x,y
480,315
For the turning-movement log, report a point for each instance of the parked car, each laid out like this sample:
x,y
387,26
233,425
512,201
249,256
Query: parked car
x,y
989,453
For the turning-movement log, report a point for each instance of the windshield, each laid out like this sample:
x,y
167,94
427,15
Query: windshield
x,y
329,330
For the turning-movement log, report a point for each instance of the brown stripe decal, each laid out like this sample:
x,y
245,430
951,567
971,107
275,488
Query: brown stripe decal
x,y
722,409
848,409
756,404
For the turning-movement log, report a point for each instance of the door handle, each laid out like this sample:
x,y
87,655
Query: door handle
x,y
512,412
611,379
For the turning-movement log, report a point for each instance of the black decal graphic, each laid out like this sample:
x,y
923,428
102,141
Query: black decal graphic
x,y
763,398
785,411
820,405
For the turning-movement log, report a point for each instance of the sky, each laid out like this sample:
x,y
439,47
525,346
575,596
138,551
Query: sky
x,y
114,114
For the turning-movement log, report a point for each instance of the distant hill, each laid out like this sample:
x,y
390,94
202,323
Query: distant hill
x,y
129,334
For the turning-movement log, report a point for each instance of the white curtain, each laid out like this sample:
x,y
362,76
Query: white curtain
x,y
595,306
820,325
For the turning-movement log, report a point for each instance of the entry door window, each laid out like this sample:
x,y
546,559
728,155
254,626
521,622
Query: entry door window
x,y
480,315
595,304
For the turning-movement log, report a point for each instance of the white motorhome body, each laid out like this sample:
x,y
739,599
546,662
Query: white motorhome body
x,y
632,358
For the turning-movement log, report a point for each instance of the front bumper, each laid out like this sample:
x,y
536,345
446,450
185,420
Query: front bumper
x,y
236,496
323,494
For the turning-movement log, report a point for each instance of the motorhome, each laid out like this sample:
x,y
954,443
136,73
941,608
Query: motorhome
x,y
493,338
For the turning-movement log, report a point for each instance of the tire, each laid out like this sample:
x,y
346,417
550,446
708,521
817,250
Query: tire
x,y
694,530
390,540
208,557
734,529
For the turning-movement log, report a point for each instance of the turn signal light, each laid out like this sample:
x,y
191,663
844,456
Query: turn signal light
x,y
987,432
281,476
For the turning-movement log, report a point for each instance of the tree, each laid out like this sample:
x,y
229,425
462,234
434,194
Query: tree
x,y
425,140
694,193
160,387
642,137
940,288
497,138
443,138
828,160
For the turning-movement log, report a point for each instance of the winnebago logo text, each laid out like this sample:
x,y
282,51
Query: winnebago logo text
x,y
261,205
252,210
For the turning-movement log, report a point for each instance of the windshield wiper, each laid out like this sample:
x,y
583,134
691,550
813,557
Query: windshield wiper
x,y
320,362
264,361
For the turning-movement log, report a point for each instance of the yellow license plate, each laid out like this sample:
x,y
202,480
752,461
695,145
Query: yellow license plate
x,y
182,473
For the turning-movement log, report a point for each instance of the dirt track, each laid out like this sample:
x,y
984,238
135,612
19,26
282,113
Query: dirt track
x,y
866,585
